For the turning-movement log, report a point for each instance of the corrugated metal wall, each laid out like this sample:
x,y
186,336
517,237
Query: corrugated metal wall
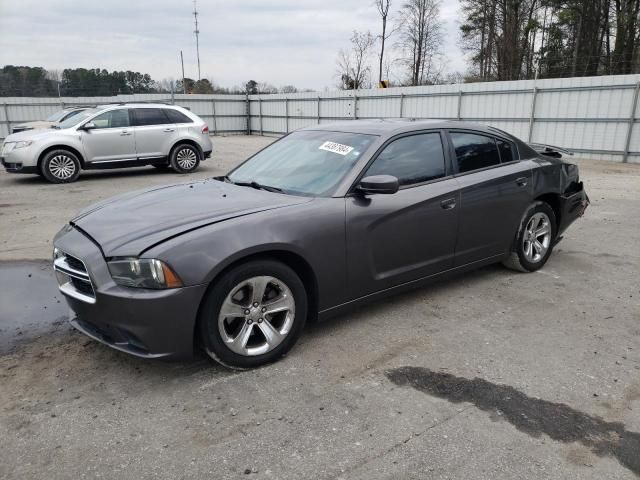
x,y
597,117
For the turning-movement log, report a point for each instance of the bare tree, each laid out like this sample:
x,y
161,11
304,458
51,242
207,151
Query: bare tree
x,y
383,7
266,88
288,89
421,39
352,64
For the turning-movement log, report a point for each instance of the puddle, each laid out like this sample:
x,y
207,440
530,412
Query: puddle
x,y
532,416
30,303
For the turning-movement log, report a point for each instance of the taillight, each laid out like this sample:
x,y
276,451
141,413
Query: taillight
x,y
205,129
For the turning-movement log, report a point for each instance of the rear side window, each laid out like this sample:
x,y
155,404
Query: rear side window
x,y
474,151
176,116
413,159
506,151
149,116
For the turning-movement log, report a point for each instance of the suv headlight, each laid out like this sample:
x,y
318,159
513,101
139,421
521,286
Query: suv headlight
x,y
22,144
143,273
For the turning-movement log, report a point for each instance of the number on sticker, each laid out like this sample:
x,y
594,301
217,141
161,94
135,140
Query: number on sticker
x,y
334,147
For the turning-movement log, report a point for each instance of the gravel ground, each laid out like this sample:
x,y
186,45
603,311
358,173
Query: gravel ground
x,y
493,375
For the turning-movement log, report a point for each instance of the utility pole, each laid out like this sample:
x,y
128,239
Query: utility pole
x,y
184,87
197,32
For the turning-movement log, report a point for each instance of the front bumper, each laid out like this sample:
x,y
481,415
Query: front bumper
x,y
141,322
13,167
21,160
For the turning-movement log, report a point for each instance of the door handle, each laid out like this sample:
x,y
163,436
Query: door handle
x,y
124,133
522,181
448,204
169,129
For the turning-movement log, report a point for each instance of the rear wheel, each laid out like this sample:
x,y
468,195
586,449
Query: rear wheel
x,y
60,166
184,158
534,241
254,314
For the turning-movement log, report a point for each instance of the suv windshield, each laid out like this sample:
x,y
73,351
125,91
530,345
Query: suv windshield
x,y
306,162
57,116
76,119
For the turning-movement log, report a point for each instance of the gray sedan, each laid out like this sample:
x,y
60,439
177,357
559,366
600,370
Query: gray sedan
x,y
318,222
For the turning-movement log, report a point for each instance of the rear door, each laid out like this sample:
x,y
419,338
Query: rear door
x,y
155,133
495,189
393,239
111,140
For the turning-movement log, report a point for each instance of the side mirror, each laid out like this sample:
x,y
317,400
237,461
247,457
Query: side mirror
x,y
386,184
89,126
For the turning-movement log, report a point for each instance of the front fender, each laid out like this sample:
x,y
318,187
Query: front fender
x,y
313,231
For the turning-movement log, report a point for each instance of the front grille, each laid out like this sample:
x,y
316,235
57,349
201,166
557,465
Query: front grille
x,y
75,263
73,277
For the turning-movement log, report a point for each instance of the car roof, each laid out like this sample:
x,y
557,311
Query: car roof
x,y
392,126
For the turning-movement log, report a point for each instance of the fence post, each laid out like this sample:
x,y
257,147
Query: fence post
x,y
401,104
260,112
213,110
6,117
632,121
355,106
459,116
248,113
286,113
532,116
318,111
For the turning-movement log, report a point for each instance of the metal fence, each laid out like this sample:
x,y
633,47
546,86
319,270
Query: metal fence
x,y
596,117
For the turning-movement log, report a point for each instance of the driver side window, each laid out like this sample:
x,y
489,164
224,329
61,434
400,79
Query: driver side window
x,y
413,159
112,119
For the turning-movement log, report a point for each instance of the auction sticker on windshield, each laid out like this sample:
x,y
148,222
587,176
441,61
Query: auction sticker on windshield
x,y
336,148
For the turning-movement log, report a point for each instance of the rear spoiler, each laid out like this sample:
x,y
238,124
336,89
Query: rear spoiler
x,y
549,150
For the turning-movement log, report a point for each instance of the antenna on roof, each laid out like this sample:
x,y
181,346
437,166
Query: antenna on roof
x,y
197,32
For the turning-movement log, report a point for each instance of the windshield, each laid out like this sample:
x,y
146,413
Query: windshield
x,y
306,162
57,116
76,119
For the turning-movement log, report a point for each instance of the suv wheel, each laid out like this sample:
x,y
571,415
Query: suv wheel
x,y
185,158
60,166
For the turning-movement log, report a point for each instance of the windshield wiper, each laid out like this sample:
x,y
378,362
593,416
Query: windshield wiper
x,y
254,184
258,186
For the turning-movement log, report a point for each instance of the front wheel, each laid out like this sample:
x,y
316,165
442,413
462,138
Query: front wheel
x,y
534,241
60,166
254,314
185,158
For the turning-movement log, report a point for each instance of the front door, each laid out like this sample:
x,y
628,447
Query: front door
x,y
111,140
394,239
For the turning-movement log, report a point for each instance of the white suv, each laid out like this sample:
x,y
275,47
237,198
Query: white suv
x,y
113,136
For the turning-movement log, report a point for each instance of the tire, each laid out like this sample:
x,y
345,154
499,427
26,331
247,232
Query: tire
x,y
534,240
238,340
60,166
184,158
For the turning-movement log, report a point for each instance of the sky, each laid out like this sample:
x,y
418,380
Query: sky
x,y
281,42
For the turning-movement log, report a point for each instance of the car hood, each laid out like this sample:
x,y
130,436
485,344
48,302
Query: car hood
x,y
33,134
129,224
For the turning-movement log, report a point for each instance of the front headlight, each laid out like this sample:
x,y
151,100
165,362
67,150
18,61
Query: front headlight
x,y
143,273
22,144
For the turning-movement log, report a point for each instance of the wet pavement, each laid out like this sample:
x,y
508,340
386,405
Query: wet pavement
x,y
30,304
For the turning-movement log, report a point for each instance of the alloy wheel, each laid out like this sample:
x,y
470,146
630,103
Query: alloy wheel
x,y
186,158
256,316
62,167
537,237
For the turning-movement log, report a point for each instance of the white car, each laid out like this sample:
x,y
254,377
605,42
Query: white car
x,y
113,136
58,117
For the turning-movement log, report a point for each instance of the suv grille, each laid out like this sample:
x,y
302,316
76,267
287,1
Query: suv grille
x,y
73,277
